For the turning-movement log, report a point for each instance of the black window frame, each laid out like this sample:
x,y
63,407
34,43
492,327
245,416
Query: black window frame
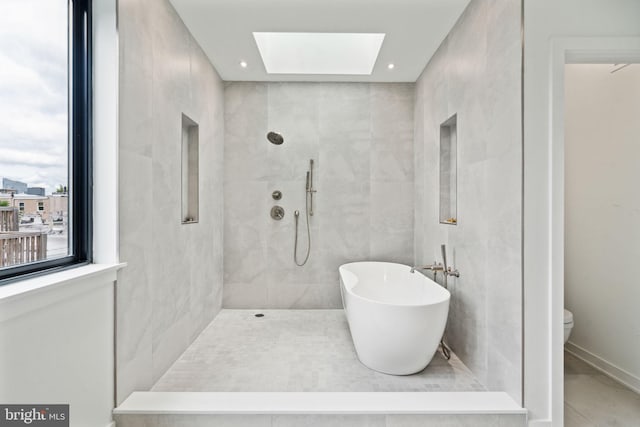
x,y
80,148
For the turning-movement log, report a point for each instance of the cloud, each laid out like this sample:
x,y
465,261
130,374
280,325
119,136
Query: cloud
x,y
33,91
41,160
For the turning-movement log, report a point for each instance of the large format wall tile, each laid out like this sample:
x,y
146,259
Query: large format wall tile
x,y
172,285
360,138
476,74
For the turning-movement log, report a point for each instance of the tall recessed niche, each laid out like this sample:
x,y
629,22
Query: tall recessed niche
x,y
448,171
190,151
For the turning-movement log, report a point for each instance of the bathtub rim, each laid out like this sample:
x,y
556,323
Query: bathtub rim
x,y
348,289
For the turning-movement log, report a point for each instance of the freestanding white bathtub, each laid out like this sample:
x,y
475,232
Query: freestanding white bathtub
x,y
396,317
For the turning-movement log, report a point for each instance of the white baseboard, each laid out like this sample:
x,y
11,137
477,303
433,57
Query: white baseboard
x,y
605,367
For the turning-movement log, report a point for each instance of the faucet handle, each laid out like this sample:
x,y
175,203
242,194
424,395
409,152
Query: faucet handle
x,y
452,272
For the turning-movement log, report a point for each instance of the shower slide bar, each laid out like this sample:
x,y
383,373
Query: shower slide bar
x,y
309,186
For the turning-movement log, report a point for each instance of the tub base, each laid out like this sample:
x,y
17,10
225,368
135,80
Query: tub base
x,y
394,370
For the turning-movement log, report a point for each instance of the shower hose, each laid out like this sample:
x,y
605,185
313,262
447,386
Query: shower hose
x,y
295,244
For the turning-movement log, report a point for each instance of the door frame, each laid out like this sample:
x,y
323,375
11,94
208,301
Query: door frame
x,y
565,50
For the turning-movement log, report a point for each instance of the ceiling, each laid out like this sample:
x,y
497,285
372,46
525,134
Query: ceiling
x,y
414,30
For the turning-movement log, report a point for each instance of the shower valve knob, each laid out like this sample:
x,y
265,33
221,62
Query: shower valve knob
x,y
277,212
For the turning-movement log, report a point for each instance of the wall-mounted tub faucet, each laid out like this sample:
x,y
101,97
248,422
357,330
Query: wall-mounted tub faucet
x,y
435,267
448,271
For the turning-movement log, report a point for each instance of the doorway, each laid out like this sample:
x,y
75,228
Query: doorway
x,y
602,243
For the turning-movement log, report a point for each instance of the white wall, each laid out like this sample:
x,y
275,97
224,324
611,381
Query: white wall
x,y
546,22
57,347
172,286
476,74
360,136
602,211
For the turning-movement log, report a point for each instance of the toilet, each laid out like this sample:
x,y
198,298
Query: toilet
x,y
568,324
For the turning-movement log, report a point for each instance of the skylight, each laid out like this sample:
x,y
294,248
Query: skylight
x,y
319,53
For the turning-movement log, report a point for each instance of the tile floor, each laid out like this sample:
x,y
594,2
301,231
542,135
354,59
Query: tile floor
x,y
591,399
294,350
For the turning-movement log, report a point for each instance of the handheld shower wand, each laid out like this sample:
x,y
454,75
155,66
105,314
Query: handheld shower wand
x,y
308,202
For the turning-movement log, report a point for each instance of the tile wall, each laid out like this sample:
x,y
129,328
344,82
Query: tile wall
x,y
172,285
361,138
476,74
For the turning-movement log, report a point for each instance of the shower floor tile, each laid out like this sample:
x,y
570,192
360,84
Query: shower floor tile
x,y
295,350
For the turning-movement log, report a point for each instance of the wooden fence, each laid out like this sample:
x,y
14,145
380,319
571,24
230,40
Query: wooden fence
x,y
9,219
21,247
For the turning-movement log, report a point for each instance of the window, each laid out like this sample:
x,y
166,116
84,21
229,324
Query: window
x,y
45,135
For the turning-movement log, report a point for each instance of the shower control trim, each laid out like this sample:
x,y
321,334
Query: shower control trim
x,y
277,212
277,195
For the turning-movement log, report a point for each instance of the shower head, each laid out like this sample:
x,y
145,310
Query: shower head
x,y
275,138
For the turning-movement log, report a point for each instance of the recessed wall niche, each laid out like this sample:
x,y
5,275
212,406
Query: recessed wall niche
x,y
190,149
448,171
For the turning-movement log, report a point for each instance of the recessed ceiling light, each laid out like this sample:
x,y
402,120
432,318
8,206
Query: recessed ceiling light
x,y
319,53
391,66
243,64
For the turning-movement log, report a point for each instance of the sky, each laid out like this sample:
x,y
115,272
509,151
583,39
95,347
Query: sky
x,y
33,92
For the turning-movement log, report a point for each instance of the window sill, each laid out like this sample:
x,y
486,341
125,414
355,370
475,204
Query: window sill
x,y
32,294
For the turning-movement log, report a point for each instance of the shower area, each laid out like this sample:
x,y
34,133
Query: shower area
x,y
335,156
362,178
295,179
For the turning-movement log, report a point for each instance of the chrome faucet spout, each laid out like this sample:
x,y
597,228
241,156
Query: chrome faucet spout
x,y
435,267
